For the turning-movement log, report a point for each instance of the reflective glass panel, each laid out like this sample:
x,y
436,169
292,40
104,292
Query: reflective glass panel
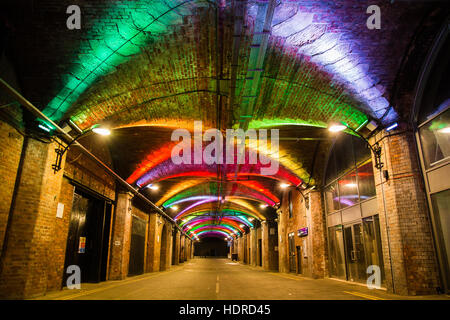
x,y
344,154
348,190
372,243
441,208
332,198
435,139
366,182
337,260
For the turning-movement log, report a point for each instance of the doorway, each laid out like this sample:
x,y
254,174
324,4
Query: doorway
x,y
137,246
292,258
299,259
355,253
88,237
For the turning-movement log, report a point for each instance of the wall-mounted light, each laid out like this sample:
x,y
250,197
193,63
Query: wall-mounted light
x,y
174,208
153,187
284,185
60,150
263,206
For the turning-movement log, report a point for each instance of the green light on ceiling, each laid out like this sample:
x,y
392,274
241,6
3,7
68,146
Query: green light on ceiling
x,y
120,40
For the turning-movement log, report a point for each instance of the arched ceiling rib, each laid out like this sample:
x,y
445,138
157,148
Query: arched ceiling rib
x,y
151,66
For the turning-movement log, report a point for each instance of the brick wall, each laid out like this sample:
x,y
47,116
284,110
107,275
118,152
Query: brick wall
x,y
60,237
405,225
312,246
25,263
10,150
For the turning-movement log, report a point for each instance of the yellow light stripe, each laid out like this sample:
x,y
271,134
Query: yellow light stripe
x,y
363,295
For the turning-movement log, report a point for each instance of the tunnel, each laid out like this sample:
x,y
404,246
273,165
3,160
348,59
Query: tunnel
x,y
250,150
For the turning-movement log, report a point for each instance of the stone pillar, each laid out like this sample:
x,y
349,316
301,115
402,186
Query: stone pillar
x,y
26,262
283,256
269,244
155,226
253,247
121,237
188,249
241,249
409,258
317,234
258,251
170,249
182,249
176,247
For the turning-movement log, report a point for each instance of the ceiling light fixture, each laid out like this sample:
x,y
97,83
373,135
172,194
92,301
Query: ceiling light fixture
x,y
392,126
336,127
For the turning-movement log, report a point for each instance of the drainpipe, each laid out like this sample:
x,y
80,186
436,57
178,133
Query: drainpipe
x,y
24,102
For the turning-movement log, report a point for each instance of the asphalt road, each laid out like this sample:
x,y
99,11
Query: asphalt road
x,y
221,279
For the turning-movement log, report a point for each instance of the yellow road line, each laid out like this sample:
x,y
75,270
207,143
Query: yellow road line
x,y
111,286
363,295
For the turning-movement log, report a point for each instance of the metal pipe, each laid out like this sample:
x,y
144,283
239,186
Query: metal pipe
x,y
24,102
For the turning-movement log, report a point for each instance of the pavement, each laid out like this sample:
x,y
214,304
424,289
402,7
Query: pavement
x,y
222,279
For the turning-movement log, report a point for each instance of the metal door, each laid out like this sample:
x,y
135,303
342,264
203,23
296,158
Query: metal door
x,y
137,247
354,252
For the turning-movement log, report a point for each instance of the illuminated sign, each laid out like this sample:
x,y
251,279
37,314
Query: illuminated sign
x,y
303,232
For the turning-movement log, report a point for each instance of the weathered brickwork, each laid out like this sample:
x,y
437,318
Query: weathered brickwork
x,y
156,224
312,247
10,151
25,263
85,171
121,235
318,235
60,237
404,218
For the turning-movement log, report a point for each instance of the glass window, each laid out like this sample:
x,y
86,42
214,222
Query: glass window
x,y
344,154
441,208
362,150
348,190
331,168
337,260
332,198
366,182
372,243
435,139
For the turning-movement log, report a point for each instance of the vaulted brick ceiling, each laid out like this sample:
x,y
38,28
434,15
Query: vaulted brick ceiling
x,y
147,67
